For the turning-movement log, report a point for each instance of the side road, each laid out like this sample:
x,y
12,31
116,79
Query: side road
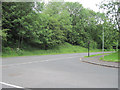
x,y
96,61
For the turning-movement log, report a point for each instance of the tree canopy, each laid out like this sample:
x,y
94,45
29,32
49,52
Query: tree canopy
x,y
52,24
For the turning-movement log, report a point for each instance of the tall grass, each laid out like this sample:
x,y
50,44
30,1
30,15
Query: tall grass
x,y
63,49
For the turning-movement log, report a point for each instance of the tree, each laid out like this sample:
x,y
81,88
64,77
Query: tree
x,y
49,25
113,12
11,19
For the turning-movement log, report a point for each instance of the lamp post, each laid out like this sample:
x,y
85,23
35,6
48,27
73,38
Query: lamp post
x,y
103,43
103,35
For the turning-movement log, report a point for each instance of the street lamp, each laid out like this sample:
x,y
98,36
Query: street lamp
x,y
103,43
103,35
88,48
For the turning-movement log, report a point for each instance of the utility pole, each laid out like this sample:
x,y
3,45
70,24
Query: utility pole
x,y
103,36
103,43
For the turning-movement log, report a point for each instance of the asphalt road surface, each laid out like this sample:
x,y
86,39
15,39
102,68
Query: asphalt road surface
x,y
56,71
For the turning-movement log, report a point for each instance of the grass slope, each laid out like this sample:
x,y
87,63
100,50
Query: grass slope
x,y
113,57
97,55
63,49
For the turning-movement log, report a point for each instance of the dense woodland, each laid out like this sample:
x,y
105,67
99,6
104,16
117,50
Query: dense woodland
x,y
46,26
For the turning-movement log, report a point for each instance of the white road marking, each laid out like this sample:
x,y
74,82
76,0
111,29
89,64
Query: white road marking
x,y
15,86
37,61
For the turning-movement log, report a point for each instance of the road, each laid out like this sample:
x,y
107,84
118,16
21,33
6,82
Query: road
x,y
56,71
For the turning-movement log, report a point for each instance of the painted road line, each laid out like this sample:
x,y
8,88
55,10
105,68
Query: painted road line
x,y
14,86
38,61
7,84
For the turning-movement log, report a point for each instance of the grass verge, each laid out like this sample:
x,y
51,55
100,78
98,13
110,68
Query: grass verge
x,y
113,57
63,49
97,55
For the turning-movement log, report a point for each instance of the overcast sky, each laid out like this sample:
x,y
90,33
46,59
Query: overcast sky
x,y
91,4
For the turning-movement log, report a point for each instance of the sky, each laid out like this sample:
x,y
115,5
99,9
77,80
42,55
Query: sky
x,y
91,4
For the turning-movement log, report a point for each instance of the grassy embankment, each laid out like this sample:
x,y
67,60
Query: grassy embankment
x,y
113,57
66,48
97,55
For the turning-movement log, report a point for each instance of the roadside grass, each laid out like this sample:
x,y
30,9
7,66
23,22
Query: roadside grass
x,y
97,55
113,57
63,49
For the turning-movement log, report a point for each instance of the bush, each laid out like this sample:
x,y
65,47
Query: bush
x,y
6,49
19,51
11,51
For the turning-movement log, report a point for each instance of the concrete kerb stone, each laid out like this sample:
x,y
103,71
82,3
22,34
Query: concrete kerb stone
x,y
96,61
101,64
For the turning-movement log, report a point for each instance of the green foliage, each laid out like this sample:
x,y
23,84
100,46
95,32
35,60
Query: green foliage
x,y
30,50
46,26
11,19
112,11
3,34
7,51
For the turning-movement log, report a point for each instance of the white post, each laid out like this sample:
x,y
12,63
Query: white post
x,y
103,43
